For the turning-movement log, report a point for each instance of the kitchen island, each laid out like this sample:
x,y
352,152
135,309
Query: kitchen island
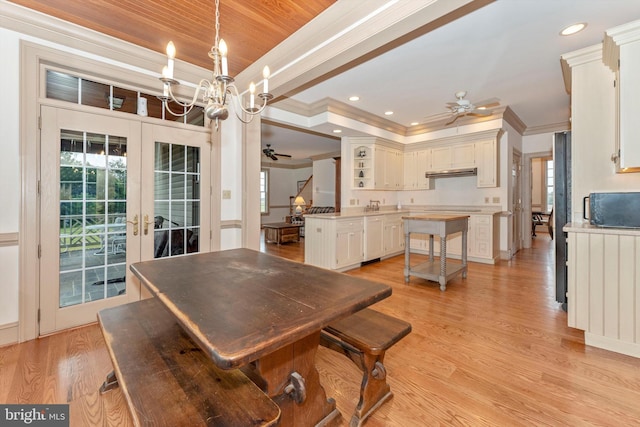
x,y
441,225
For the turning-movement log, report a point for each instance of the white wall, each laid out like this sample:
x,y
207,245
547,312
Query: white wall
x,y
282,185
324,182
9,173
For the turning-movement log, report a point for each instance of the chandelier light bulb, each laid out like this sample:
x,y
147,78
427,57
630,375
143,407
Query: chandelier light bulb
x,y
252,98
171,54
223,53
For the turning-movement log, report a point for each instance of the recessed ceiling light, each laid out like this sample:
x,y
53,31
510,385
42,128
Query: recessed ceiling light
x,y
572,29
388,113
337,131
354,98
414,123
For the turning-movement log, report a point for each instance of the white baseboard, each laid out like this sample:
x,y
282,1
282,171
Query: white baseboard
x,y
623,347
8,334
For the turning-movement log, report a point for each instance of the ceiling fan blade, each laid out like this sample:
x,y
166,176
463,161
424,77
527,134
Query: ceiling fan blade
x,y
282,155
478,112
273,157
454,119
487,102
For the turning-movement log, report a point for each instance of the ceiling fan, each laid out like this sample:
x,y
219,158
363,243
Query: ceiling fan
x,y
271,153
463,107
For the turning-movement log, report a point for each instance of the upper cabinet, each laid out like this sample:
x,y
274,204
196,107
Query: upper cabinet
x,y
453,156
486,152
382,165
376,166
621,53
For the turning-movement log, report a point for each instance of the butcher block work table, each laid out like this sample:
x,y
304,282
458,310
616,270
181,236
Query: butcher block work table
x,y
441,225
263,314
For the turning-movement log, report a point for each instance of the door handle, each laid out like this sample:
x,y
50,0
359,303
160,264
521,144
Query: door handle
x,y
135,224
146,224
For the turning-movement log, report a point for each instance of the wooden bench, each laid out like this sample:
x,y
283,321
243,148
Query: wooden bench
x,y
364,337
167,380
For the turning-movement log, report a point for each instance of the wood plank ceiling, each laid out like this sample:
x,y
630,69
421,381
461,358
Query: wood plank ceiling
x,y
249,27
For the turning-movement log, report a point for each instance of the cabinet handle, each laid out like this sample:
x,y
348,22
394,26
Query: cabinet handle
x,y
135,224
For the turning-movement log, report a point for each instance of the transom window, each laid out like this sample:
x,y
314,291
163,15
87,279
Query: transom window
x,y
70,88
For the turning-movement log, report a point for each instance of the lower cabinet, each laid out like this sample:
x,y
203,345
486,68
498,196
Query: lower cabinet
x,y
393,234
373,237
334,243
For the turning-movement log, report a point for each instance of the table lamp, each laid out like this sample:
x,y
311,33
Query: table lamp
x,y
299,202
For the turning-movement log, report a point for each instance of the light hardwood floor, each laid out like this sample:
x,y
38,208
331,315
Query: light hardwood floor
x,y
492,350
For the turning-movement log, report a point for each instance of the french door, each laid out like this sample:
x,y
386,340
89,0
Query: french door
x,y
114,191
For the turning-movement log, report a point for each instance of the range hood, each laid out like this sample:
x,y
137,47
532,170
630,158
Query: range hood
x,y
451,172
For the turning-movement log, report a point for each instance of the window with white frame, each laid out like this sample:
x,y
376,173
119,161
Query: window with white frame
x,y
264,191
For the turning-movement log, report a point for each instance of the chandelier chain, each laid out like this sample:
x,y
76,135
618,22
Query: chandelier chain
x,y
217,40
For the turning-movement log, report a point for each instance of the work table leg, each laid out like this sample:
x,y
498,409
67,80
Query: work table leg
x,y
443,263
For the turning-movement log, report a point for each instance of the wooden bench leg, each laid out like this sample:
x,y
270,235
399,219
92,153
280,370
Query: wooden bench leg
x,y
374,390
110,383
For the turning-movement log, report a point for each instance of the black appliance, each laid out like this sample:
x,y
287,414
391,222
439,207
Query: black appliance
x,y
619,209
562,209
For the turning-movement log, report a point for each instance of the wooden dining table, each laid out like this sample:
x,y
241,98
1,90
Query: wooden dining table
x,y
263,314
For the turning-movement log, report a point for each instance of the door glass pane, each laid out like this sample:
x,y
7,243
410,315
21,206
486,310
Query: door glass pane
x,y
93,181
177,200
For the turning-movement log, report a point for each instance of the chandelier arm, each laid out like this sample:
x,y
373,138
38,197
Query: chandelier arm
x,y
237,99
189,108
204,84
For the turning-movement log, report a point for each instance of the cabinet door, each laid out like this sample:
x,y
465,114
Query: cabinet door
x,y
487,158
410,170
423,164
374,244
349,243
440,158
380,158
628,92
463,156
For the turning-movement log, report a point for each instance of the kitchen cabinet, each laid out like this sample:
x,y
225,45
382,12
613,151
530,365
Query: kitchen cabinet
x,y
416,163
388,174
453,156
486,155
336,244
621,53
376,166
602,286
393,234
374,237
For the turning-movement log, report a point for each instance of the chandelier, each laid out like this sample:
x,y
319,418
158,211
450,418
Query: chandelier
x,y
217,91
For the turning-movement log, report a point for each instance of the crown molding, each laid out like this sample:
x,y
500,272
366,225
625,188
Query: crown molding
x,y
549,128
512,118
282,165
324,156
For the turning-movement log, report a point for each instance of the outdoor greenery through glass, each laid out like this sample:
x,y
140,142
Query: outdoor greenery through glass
x,y
93,208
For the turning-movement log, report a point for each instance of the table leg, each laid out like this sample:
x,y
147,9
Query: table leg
x,y
289,376
464,253
431,247
407,251
443,263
